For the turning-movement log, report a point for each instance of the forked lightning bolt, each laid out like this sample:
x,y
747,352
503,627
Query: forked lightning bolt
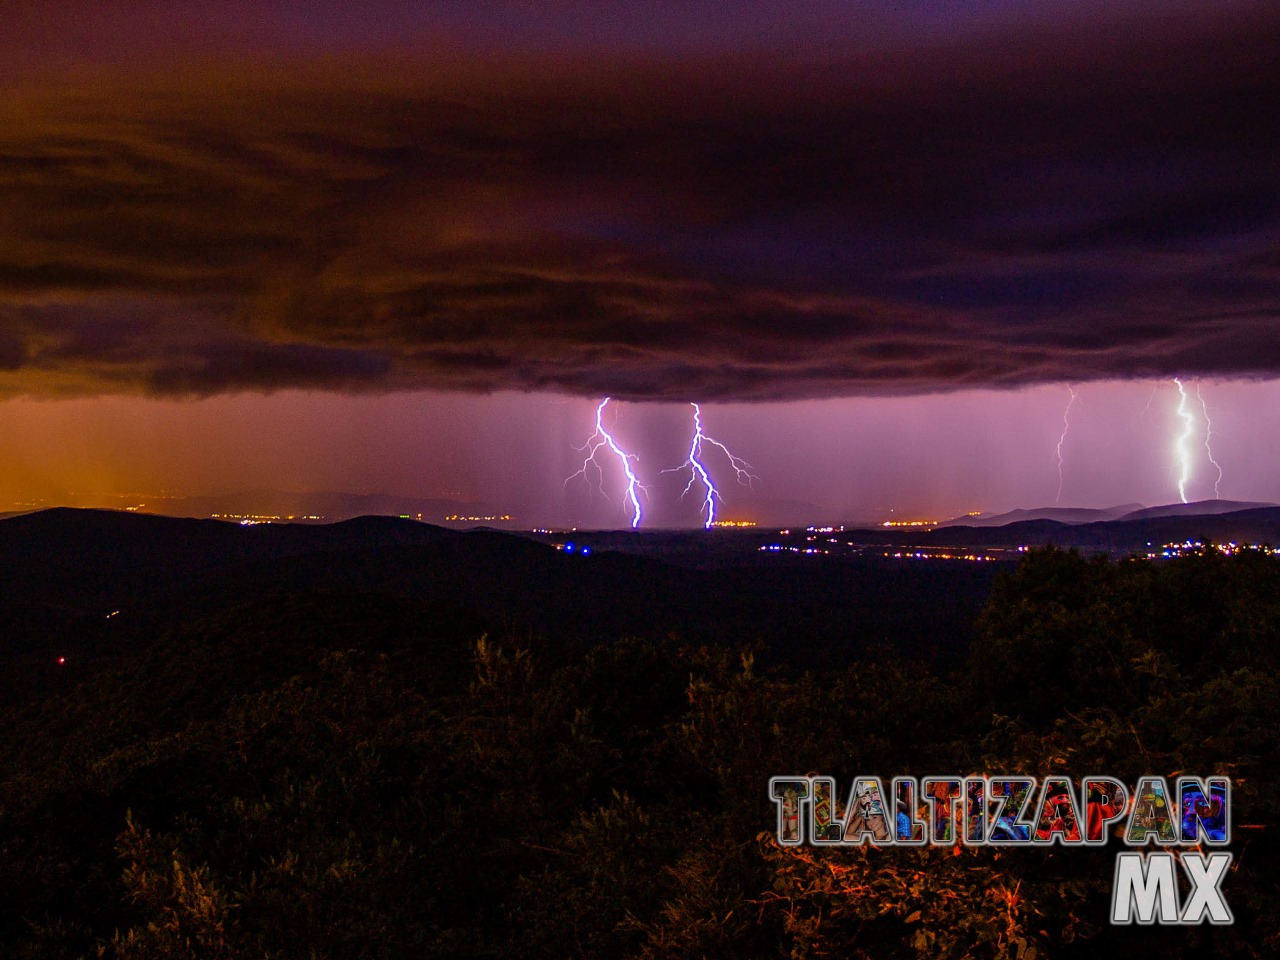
x,y
1208,450
1181,448
698,472
595,443
1066,426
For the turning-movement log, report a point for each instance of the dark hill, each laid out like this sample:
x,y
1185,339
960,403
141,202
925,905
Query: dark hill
x,y
1123,536
70,536
1200,508
1259,525
88,585
1059,514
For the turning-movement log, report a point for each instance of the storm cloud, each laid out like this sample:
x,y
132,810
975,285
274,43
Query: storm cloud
x,y
1052,204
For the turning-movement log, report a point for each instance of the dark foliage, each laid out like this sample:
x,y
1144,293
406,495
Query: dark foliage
x,y
346,775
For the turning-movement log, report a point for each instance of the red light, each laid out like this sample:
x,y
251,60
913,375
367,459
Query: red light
x,y
62,660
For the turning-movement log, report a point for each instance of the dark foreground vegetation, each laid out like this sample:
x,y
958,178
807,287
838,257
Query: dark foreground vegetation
x,y
343,775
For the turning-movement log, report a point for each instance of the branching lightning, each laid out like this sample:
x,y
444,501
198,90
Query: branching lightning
x,y
1066,427
1208,432
698,472
595,443
1181,449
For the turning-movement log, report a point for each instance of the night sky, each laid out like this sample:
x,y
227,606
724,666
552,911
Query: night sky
x,y
407,248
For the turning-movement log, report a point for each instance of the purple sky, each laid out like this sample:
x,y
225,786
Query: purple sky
x,y
852,459
406,247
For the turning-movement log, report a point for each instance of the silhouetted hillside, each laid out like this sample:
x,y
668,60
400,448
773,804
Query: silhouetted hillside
x,y
87,585
1059,514
86,537
1198,508
1257,525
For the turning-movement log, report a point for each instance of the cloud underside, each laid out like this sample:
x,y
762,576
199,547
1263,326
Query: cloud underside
x,y
1068,207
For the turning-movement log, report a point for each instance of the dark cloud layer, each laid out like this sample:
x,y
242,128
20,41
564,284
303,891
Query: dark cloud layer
x,y
1046,206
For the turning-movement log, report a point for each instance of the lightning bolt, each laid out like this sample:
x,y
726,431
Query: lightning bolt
x,y
1066,426
599,440
1180,450
1208,432
1154,388
698,471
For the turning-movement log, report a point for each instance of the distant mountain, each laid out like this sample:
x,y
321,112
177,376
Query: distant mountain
x,y
1117,537
1068,515
1201,508
327,506
295,506
121,541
